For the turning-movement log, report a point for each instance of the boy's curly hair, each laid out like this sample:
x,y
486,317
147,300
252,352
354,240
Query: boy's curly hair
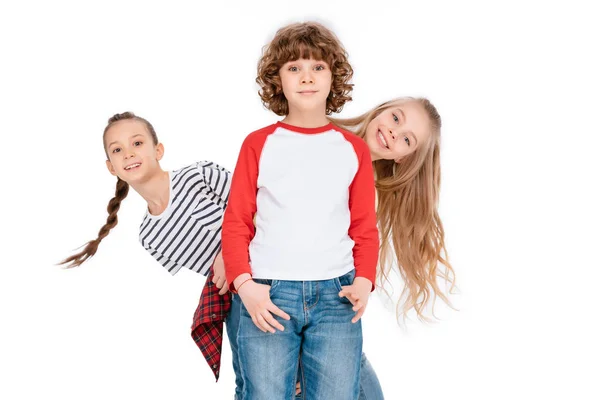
x,y
303,40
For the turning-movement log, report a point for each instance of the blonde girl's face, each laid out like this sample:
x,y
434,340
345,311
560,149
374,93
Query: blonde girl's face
x,y
132,155
397,131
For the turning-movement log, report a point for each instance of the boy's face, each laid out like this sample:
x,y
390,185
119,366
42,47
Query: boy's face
x,y
306,83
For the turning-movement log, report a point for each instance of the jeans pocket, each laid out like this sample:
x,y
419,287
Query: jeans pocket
x,y
271,282
345,280
274,285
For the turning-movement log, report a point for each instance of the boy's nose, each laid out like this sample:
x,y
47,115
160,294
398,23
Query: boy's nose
x,y
307,78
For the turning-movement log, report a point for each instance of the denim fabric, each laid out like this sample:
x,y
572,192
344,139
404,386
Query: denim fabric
x,y
232,323
320,333
370,388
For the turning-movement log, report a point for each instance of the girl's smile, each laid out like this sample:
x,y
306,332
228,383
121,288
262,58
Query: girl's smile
x,y
132,166
382,141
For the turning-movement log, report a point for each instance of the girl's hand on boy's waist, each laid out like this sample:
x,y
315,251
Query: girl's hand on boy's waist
x,y
358,294
257,301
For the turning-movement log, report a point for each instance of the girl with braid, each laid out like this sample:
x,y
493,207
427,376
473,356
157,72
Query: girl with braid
x,y
182,225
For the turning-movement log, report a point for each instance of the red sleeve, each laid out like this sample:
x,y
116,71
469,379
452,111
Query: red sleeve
x,y
363,218
238,224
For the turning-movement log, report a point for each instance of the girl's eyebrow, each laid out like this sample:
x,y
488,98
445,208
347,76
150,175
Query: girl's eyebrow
x,y
401,113
134,136
413,136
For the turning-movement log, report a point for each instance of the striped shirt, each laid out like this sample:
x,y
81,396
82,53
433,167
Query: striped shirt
x,y
188,232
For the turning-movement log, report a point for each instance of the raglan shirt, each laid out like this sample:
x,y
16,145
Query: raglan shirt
x,y
302,206
188,232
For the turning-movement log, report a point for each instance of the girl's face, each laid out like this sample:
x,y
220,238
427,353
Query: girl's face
x,y
398,131
132,155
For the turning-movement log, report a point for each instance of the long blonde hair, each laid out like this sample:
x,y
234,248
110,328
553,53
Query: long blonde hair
x,y
410,226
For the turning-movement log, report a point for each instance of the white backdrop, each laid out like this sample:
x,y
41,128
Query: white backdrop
x,y
516,85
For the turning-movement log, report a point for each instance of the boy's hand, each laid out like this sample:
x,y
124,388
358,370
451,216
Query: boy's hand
x,y
257,301
358,294
219,275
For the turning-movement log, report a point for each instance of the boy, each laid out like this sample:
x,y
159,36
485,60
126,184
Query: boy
x,y
300,226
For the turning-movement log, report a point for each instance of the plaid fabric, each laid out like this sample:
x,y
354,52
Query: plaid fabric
x,y
207,328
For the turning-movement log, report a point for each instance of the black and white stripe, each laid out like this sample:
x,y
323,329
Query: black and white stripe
x,y
188,233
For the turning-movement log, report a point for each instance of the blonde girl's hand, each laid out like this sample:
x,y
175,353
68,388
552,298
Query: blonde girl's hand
x,y
257,301
219,274
358,294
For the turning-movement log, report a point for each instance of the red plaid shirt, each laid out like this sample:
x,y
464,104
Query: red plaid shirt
x,y
207,328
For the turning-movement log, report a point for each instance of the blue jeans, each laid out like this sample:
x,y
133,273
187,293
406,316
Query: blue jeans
x,y
320,332
232,323
370,388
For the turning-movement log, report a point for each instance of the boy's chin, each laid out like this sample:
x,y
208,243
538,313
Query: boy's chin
x,y
311,106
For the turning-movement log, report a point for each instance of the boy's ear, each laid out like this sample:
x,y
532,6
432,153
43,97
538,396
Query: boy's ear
x,y
111,168
160,151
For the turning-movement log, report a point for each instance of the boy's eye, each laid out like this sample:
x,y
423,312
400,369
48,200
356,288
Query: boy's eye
x,y
116,150
407,140
395,118
138,143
